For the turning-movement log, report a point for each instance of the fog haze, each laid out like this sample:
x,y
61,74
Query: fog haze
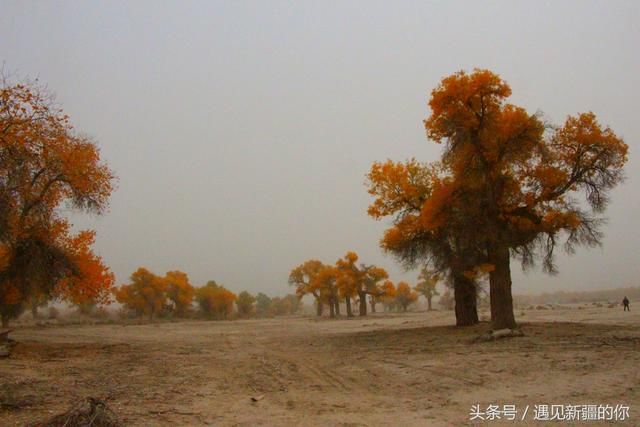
x,y
241,132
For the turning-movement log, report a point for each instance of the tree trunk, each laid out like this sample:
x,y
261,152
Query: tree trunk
x,y
5,321
337,303
319,308
500,288
34,310
363,303
348,302
372,301
429,302
464,291
332,308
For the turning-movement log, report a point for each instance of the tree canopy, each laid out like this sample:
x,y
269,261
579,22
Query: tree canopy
x,y
508,185
45,164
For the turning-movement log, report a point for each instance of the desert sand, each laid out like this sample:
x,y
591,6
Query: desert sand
x,y
412,369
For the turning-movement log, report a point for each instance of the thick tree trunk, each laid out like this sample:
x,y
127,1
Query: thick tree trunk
x,y
464,291
372,301
500,288
363,303
5,321
429,303
348,302
332,309
337,304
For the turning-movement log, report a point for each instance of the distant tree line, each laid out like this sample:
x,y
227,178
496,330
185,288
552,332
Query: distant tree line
x,y
362,285
172,295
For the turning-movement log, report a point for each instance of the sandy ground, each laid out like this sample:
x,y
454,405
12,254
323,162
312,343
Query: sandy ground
x,y
401,369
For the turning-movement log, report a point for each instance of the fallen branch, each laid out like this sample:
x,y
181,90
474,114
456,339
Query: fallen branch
x,y
498,334
89,412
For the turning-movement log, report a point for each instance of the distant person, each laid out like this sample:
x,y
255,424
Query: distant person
x,y
625,302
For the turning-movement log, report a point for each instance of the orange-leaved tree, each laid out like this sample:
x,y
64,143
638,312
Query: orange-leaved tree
x,y
215,301
519,185
302,277
44,164
507,186
146,294
324,283
411,192
385,295
348,278
405,295
389,296
179,291
360,281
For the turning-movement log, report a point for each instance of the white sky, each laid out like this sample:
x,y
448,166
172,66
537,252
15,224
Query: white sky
x,y
241,131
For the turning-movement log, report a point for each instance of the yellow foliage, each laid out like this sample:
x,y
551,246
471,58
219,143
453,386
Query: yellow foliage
x,y
215,301
145,295
405,295
179,291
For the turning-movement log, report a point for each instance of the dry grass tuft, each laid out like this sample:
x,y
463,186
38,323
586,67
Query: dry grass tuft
x,y
90,412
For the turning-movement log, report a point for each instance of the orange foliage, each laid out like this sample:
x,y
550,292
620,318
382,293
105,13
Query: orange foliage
x,y
405,295
215,301
499,150
504,184
93,280
145,294
303,275
348,275
44,164
324,283
388,289
399,185
179,291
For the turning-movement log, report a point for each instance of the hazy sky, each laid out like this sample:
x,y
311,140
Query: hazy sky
x,y
241,132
